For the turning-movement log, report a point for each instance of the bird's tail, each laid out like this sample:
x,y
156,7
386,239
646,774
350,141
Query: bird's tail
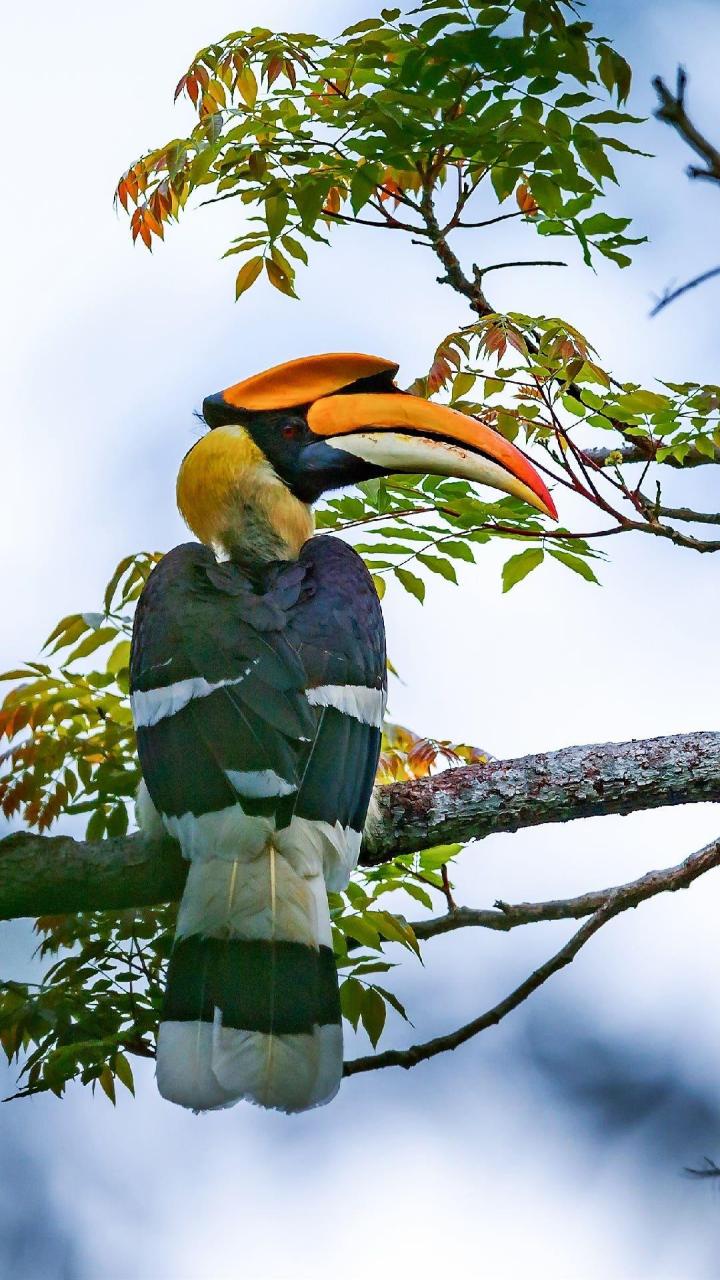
x,y
251,1005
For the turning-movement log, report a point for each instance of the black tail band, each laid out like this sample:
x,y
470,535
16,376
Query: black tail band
x,y
278,987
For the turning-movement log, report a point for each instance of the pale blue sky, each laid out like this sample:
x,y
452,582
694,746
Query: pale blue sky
x,y
474,1162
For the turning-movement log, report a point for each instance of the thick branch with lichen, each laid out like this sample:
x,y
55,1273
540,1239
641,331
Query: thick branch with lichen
x,y
46,875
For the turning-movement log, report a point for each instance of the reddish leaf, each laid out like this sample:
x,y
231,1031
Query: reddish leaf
x,y
273,69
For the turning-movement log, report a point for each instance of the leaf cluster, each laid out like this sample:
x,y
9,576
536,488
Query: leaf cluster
x,y
308,133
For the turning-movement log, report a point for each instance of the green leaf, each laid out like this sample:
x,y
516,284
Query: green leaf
x,y
373,1015
276,214
123,1071
362,185
574,99
120,657
504,180
458,550
612,117
95,829
437,565
577,564
418,893
546,192
462,384
359,928
74,625
107,1083
392,1000
295,249
352,998
92,642
433,859
519,566
643,402
705,446
600,222
411,583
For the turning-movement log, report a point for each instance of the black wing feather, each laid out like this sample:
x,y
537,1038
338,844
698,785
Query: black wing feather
x,y
308,623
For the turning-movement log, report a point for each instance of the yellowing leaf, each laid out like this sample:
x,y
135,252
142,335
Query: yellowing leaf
x,y
279,278
247,86
247,275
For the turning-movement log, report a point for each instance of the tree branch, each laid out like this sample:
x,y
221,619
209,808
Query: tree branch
x,y
686,514
48,875
506,916
430,1048
558,786
671,294
672,111
604,905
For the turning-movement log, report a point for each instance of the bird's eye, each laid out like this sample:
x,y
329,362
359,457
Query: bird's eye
x,y
292,430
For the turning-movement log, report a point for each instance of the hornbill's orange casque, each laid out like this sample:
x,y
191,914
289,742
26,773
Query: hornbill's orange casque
x,y
258,683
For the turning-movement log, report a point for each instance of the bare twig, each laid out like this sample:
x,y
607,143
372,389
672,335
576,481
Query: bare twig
x,y
670,296
605,905
501,266
686,514
506,916
672,111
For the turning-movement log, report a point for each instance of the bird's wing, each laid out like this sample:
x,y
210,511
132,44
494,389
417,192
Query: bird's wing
x,y
217,690
271,695
336,627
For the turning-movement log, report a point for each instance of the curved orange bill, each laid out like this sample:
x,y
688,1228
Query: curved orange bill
x,y
298,382
405,433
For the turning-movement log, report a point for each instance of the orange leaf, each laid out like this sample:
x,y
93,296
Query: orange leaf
x,y
131,183
526,200
332,201
438,375
390,189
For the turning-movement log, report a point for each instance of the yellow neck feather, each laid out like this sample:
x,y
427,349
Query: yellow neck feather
x,y
234,502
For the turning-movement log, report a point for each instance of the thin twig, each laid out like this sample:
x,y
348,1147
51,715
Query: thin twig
x,y
506,916
501,266
667,298
684,513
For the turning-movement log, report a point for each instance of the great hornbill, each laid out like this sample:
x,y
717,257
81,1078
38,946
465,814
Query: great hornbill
x,y
258,683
